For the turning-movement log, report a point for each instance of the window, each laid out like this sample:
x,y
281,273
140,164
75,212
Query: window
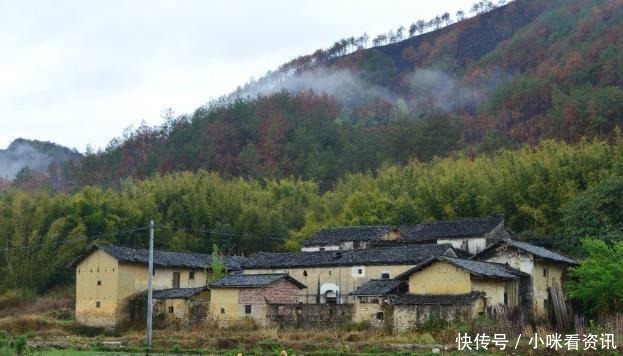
x,y
385,275
78,270
304,273
322,249
176,280
191,275
545,272
545,304
380,316
99,283
247,309
359,271
171,310
505,299
153,271
222,310
329,272
97,304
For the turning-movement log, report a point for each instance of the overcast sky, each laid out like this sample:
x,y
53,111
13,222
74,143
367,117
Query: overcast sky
x,y
79,72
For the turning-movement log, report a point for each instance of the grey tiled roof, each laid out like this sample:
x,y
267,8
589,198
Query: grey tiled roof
x,y
475,268
459,299
529,248
253,280
336,235
453,228
177,293
163,258
394,255
375,287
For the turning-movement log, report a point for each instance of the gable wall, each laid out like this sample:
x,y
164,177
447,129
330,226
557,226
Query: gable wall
x,y
440,277
98,266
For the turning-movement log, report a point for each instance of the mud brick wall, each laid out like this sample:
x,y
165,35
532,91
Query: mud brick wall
x,y
411,317
309,315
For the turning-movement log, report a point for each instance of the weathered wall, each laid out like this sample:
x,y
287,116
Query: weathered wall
x,y
345,278
309,315
376,314
541,283
495,290
224,307
410,317
440,278
99,266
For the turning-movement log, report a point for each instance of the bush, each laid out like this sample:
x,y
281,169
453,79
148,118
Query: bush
x,y
20,344
14,297
425,339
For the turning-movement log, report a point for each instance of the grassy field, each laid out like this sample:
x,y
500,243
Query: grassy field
x,y
45,326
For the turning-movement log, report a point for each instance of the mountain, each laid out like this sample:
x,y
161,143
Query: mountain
x,y
511,75
36,155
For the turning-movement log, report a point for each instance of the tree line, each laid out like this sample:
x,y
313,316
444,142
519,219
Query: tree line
x,y
555,191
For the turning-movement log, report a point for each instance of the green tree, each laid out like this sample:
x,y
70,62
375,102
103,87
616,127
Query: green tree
x,y
217,267
598,282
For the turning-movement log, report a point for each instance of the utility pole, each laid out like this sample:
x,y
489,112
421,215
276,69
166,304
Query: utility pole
x,y
150,272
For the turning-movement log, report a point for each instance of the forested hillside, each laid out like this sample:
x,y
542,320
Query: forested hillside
x,y
519,73
564,191
511,111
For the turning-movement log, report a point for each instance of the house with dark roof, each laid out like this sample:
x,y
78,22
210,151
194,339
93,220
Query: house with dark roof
x,y
500,282
332,275
447,288
180,303
374,297
349,237
547,270
471,235
108,277
239,296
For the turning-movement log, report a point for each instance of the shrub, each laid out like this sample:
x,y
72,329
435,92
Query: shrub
x,y
20,345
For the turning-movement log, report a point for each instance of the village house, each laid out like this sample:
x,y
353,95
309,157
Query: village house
x,y
445,288
332,275
239,296
108,277
470,235
349,237
546,269
181,303
374,298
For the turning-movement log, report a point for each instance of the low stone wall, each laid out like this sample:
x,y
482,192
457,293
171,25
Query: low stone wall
x,y
309,315
410,317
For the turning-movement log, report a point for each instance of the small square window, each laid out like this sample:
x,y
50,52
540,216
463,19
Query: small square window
x,y
191,275
322,249
222,310
359,271
171,310
304,273
385,275
97,304
380,316
247,309
99,283
545,272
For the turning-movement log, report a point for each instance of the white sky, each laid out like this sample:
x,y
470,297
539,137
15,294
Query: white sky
x,y
79,72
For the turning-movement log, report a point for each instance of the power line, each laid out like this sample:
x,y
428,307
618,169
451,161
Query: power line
x,y
225,233
83,239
